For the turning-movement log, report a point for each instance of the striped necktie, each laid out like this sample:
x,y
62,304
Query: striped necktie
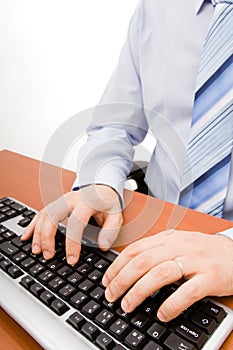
x,y
207,167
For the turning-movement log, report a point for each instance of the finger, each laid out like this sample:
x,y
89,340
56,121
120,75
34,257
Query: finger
x,y
44,233
46,226
28,232
129,253
110,230
137,267
76,224
47,238
187,294
165,273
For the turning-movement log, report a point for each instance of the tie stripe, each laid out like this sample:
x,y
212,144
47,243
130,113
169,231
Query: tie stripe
x,y
206,170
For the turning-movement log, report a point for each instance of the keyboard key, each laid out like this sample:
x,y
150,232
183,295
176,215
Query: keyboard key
x,y
5,264
27,248
205,322
156,331
11,213
3,217
148,307
46,276
27,263
90,330
111,306
76,320
29,213
47,297
36,289
27,281
66,291
140,321
118,347
119,329
2,229
95,275
59,307
191,333
8,235
17,242
54,265
14,271
102,265
124,315
84,269
97,294
91,309
64,271
135,339
7,201
4,209
56,283
174,342
19,257
154,346
217,312
8,249
105,318
24,222
104,341
90,258
75,278
36,269
86,286
78,300
18,207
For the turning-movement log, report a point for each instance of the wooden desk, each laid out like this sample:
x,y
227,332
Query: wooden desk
x,y
35,184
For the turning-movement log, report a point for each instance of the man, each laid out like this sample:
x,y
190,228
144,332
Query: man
x,y
154,86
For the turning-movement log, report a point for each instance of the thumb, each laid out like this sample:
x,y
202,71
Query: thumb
x,y
110,230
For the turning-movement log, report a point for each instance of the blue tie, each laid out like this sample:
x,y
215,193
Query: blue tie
x,y
207,167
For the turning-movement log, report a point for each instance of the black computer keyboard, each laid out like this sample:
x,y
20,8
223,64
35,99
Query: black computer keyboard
x,y
75,296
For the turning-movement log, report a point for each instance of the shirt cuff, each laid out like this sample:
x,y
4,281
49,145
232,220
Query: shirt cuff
x,y
228,233
103,181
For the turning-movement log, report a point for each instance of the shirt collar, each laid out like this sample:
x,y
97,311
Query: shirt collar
x,y
198,5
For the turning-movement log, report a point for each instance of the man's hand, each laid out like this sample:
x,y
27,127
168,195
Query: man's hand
x,y
205,262
76,208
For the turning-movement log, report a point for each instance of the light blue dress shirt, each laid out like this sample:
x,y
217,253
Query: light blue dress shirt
x,y
152,89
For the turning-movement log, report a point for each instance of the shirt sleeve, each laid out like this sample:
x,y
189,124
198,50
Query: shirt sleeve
x,y
118,123
228,233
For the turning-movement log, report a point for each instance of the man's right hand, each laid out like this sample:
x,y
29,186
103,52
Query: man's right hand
x,y
76,208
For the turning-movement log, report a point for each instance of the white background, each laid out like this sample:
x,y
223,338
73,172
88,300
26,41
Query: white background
x,y
56,57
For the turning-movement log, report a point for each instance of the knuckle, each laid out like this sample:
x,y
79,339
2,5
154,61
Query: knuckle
x,y
131,251
120,281
162,270
138,291
142,262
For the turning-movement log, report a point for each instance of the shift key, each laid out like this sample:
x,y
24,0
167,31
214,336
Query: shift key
x,y
192,333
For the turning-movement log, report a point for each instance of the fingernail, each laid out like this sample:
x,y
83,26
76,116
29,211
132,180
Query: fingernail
x,y
35,249
125,305
46,254
105,281
108,295
105,244
71,260
161,316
